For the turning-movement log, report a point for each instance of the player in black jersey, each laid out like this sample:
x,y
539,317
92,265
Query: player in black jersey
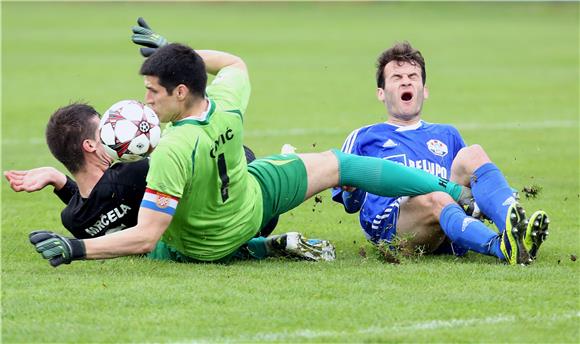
x,y
111,205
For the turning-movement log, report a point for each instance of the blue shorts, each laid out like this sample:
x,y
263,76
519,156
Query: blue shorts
x,y
384,227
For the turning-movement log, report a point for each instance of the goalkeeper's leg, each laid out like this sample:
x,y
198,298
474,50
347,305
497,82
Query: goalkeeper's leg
x,y
377,176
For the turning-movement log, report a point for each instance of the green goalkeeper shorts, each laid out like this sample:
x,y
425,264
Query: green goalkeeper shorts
x,y
283,181
162,251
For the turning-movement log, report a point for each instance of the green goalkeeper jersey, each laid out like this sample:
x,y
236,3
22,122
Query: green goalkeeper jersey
x,y
201,163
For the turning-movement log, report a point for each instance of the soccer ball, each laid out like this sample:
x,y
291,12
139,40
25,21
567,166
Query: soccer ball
x,y
129,130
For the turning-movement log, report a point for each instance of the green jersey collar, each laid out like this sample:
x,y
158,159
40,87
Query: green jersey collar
x,y
205,115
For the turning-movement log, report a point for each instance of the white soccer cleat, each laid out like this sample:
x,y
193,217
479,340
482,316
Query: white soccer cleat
x,y
296,245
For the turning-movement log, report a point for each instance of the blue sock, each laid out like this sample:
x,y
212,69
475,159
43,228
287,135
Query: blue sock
x,y
492,193
469,232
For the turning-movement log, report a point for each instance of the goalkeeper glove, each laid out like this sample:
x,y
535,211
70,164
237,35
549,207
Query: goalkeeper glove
x,y
145,36
57,249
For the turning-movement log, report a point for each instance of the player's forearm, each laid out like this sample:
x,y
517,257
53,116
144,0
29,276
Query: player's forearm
x,y
136,240
58,179
128,242
216,60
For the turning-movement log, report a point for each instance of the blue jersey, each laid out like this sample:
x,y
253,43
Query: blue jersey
x,y
427,146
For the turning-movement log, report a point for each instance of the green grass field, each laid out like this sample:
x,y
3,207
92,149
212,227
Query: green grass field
x,y
507,74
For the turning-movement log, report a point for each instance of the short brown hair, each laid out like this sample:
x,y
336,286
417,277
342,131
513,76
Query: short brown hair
x,y
403,52
176,64
66,130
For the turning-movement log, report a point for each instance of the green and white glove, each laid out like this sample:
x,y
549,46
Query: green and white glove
x,y
57,249
145,36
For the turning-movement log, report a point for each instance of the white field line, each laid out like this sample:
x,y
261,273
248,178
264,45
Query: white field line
x,y
290,132
395,329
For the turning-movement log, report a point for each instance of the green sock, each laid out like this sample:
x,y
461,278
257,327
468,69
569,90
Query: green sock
x,y
258,248
386,178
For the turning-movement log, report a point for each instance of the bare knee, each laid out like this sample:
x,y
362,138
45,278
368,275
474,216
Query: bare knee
x,y
468,160
435,202
321,170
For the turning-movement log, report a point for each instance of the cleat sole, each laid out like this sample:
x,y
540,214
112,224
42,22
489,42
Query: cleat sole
x,y
513,237
537,232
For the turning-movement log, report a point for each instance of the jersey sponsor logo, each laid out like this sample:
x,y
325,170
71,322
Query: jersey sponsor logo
x,y
425,165
107,219
222,139
429,166
390,144
159,201
116,229
437,147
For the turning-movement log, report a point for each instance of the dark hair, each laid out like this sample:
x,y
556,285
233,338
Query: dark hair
x,y
66,130
403,52
176,64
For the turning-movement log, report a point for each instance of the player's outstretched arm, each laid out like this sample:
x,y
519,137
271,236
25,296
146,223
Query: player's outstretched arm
x,y
150,41
35,179
217,60
136,240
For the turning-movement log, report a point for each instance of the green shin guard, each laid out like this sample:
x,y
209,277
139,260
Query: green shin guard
x,y
386,178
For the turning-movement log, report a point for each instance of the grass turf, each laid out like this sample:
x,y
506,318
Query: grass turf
x,y
505,73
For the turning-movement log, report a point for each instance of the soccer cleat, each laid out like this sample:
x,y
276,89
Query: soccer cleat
x,y
512,240
536,232
296,245
471,208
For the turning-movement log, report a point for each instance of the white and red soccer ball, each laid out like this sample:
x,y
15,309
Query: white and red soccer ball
x,y
129,130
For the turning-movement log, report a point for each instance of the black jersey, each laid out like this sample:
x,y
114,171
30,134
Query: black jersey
x,y
112,205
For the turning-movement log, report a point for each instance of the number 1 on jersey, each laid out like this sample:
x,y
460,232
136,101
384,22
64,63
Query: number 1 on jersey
x,y
223,172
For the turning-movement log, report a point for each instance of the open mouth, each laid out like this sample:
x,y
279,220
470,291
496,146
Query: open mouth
x,y
406,96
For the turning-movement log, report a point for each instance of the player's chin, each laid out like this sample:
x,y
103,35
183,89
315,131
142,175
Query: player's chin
x,y
408,107
408,114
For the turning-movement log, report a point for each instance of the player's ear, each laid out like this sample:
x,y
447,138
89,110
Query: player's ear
x,y
381,95
89,145
425,92
182,91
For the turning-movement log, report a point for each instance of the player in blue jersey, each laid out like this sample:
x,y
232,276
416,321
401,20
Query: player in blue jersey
x,y
440,150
